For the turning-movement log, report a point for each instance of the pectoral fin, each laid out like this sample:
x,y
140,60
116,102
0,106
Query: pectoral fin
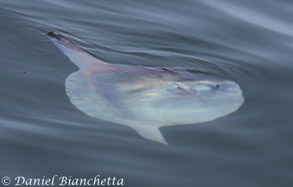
x,y
151,133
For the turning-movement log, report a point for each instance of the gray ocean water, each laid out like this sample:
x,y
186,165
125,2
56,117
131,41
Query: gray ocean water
x,y
249,42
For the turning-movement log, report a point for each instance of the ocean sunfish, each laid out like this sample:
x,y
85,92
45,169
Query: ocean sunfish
x,y
145,98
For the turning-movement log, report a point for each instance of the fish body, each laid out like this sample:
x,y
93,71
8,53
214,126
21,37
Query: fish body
x,y
145,98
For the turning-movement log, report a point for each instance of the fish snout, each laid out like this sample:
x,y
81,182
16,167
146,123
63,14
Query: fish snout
x,y
228,86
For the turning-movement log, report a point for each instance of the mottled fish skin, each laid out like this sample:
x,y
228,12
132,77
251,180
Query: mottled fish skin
x,y
145,98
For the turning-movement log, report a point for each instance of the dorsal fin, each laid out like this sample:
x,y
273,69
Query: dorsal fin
x,y
150,132
78,56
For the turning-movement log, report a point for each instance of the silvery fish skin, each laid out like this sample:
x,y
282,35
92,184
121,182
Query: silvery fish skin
x,y
145,98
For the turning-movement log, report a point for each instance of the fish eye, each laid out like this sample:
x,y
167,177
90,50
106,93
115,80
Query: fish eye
x,y
217,86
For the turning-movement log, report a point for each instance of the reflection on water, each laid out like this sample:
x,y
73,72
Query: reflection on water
x,y
249,42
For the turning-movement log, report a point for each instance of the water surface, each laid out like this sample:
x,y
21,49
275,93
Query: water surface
x,y
43,134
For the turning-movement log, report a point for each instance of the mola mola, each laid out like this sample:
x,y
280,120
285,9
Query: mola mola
x,y
145,98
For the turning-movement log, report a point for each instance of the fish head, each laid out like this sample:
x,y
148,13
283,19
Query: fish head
x,y
213,97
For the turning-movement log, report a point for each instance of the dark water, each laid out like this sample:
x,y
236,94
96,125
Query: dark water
x,y
249,42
